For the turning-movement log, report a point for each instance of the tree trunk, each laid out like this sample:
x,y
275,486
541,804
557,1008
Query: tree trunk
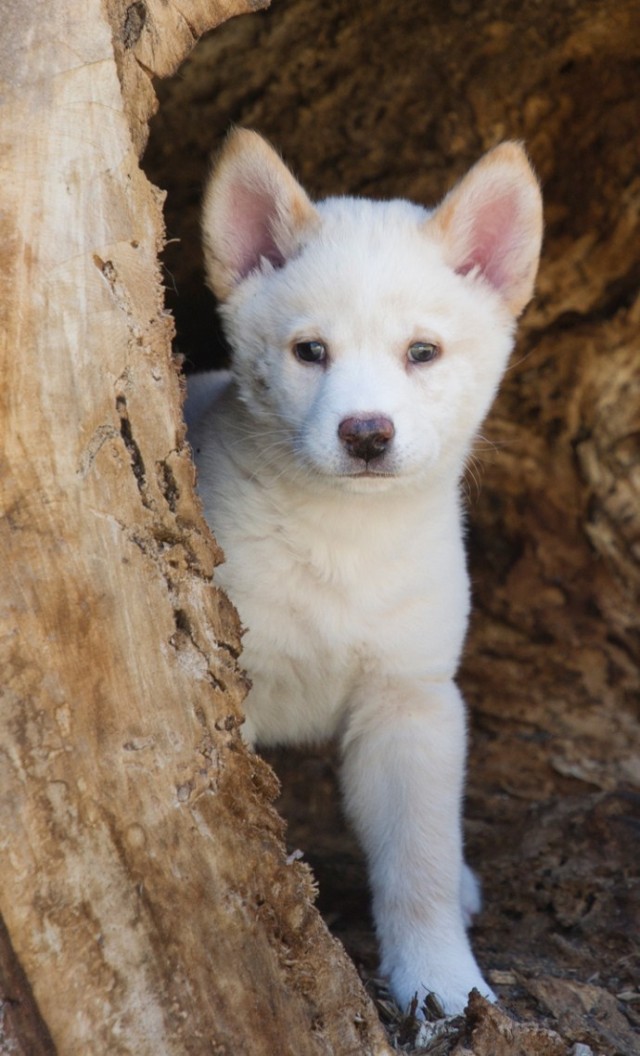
x,y
147,900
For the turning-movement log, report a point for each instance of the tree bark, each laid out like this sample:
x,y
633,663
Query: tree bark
x,y
148,903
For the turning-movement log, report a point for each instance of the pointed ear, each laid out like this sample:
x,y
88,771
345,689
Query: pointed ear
x,y
490,224
254,209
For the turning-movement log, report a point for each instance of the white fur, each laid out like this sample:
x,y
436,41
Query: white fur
x,y
350,577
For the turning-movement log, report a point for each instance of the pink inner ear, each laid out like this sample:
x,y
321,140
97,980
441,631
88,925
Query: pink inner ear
x,y
250,218
492,238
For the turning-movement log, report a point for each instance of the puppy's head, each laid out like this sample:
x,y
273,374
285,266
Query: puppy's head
x,y
369,336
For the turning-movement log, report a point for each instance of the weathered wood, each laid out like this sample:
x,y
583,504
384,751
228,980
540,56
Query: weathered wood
x,y
22,1029
144,885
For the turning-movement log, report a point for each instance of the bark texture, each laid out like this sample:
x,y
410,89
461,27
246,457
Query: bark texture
x,y
399,100
148,904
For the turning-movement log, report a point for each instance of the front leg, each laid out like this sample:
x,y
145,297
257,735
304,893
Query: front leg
x,y
403,770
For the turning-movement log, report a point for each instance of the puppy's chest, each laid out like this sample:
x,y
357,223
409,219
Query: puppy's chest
x,y
329,602
307,584
314,613
312,585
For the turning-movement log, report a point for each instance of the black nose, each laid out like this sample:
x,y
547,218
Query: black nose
x,y
366,438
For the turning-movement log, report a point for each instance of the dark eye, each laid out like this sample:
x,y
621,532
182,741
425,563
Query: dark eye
x,y
423,352
310,351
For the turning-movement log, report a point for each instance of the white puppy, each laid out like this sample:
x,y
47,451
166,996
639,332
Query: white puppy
x,y
368,339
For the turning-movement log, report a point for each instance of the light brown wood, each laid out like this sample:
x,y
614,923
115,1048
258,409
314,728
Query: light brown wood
x,y
144,886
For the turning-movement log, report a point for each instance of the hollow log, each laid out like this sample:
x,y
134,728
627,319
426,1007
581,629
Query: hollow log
x,y
398,100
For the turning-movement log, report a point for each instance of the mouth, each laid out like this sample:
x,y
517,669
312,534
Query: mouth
x,y
367,474
356,470
368,468
367,479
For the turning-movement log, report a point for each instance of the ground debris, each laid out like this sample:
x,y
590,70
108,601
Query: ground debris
x,y
430,1034
491,1032
488,1030
580,1008
484,1030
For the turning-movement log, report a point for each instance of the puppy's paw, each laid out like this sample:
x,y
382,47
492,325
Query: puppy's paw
x,y
450,983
